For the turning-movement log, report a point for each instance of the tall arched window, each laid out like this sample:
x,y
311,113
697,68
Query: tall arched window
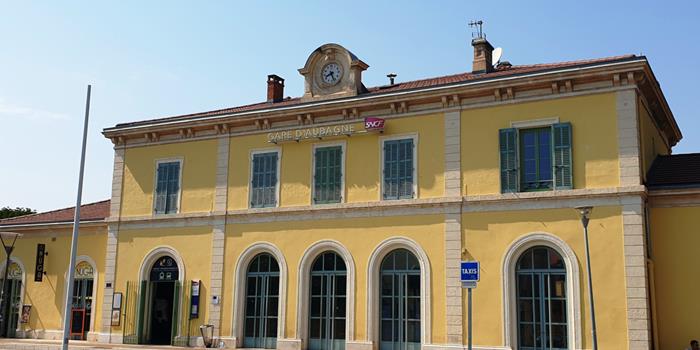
x,y
261,304
81,308
541,300
327,302
12,306
400,304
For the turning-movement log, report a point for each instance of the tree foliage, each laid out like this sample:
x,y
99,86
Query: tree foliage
x,y
7,212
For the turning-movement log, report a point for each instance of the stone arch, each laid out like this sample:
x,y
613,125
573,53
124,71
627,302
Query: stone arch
x,y
375,260
242,263
510,259
303,287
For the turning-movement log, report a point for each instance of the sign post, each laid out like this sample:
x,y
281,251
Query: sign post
x,y
469,275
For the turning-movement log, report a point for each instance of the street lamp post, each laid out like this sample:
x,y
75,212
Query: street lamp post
x,y
585,213
8,251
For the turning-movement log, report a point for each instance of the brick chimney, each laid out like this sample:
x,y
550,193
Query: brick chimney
x,y
275,88
482,56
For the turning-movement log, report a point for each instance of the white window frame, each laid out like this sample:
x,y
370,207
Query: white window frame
x,y
382,140
343,190
573,287
239,290
180,160
373,282
278,176
304,283
534,123
524,125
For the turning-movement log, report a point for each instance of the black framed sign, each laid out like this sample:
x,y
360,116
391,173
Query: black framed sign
x,y
39,268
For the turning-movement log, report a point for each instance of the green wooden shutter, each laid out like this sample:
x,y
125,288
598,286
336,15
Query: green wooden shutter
x,y
161,188
141,311
176,312
508,145
264,183
173,187
328,175
563,178
398,169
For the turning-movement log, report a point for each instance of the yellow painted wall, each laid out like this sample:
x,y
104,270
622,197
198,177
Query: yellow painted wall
x,y
675,242
362,167
48,297
652,143
198,176
594,134
488,235
360,237
194,247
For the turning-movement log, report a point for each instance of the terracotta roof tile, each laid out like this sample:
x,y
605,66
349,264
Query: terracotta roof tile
x,y
91,211
675,171
402,86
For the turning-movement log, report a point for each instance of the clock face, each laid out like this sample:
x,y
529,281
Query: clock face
x,y
330,74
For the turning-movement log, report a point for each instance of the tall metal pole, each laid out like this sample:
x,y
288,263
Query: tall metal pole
x,y
469,319
585,213
76,224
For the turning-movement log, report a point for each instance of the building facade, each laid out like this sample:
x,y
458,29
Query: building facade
x,y
338,220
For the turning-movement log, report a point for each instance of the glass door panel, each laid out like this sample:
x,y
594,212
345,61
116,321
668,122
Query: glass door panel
x,y
261,303
400,327
327,303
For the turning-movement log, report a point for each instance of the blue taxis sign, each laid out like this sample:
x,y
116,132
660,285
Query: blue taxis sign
x,y
469,271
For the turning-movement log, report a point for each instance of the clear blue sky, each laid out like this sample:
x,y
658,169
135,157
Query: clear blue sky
x,y
147,59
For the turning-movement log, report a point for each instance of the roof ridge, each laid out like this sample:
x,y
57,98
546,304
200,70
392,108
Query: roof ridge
x,y
405,85
583,60
51,211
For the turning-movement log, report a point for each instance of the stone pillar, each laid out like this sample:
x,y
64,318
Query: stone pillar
x,y
219,233
636,275
453,229
111,249
453,171
628,138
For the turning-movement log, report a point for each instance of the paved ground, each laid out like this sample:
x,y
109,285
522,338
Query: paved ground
x,y
37,344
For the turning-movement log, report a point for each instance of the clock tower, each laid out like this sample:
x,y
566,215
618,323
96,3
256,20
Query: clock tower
x,y
331,71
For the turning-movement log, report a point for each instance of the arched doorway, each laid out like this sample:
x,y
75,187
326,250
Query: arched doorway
x,y
400,301
261,303
81,309
541,292
13,291
327,302
161,299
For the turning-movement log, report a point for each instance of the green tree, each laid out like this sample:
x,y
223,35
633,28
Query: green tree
x,y
7,212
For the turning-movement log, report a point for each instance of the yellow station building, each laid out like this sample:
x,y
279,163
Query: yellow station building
x,y
337,220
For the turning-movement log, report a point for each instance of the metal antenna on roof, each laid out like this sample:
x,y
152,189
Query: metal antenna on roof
x,y
478,25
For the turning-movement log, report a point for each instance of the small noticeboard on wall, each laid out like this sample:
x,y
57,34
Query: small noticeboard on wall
x,y
194,299
26,312
116,309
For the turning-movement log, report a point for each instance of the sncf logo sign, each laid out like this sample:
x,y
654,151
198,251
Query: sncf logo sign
x,y
374,124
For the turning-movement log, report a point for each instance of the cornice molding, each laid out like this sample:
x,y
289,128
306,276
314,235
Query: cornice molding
x,y
673,198
566,80
385,114
431,206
